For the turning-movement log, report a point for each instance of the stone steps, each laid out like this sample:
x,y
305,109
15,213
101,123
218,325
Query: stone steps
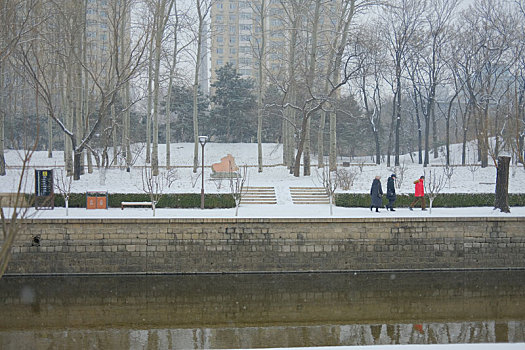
x,y
258,195
309,195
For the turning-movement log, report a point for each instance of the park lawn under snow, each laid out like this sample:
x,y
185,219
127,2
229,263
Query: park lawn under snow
x,y
464,180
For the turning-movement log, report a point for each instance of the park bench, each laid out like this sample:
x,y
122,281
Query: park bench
x,y
136,204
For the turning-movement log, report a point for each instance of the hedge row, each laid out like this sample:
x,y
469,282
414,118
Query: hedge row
x,y
193,200
447,200
171,200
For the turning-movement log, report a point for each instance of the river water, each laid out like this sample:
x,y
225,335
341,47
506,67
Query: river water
x,y
261,310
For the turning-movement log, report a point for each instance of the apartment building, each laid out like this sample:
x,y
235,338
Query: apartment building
x,y
236,35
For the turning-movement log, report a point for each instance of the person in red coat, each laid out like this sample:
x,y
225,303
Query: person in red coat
x,y
419,193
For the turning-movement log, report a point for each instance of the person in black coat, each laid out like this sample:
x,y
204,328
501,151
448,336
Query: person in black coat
x,y
376,193
391,192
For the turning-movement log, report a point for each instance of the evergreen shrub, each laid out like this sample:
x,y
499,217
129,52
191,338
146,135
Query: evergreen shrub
x,y
444,200
169,200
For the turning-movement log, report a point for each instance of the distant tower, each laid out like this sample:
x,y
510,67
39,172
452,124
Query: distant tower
x,y
203,69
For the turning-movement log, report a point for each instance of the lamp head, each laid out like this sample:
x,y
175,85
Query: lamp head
x,y
203,140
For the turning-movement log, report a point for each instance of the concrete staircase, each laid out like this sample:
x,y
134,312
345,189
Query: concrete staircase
x,y
258,195
309,195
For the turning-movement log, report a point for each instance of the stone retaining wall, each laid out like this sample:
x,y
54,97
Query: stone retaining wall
x,y
92,246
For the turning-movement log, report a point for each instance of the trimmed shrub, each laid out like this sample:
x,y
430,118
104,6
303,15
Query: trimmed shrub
x,y
444,200
169,200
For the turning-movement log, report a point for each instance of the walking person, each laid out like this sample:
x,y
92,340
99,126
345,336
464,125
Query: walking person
x,y
391,192
376,194
419,193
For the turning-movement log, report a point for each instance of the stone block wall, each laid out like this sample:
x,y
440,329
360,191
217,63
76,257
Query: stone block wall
x,y
94,246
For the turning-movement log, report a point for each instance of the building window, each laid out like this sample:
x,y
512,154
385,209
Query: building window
x,y
220,39
220,50
232,40
245,16
233,51
233,18
220,62
232,6
247,27
233,30
218,18
244,38
219,5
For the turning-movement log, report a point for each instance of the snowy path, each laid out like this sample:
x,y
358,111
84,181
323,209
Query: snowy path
x,y
276,211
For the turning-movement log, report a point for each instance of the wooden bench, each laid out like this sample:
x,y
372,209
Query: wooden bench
x,y
136,204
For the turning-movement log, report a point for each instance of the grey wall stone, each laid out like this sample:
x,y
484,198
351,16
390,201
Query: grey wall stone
x,y
93,246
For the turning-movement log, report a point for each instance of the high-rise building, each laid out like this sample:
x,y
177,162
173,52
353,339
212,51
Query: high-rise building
x,y
237,32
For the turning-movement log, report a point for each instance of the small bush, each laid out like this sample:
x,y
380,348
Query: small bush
x,y
444,200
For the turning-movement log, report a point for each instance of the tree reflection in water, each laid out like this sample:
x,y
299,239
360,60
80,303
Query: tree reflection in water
x,y
267,310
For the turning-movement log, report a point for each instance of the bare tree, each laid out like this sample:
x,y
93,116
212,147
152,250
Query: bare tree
x,y
17,22
154,185
433,186
108,80
401,21
63,183
330,183
369,81
162,10
203,8
237,182
12,219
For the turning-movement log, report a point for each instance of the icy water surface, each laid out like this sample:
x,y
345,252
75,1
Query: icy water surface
x,y
249,311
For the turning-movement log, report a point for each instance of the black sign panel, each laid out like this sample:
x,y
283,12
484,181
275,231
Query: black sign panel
x,y
44,183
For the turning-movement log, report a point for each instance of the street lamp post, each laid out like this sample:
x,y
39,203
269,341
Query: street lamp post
x,y
202,141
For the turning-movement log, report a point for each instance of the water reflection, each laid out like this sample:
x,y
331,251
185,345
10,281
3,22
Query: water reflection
x,y
247,311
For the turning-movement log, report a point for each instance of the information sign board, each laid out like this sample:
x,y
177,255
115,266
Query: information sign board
x,y
44,189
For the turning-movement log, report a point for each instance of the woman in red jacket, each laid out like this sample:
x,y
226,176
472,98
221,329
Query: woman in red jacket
x,y
420,193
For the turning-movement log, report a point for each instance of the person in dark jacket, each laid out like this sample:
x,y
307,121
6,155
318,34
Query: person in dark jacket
x,y
391,192
376,193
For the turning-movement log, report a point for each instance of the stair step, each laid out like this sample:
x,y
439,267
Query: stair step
x,y
258,195
309,195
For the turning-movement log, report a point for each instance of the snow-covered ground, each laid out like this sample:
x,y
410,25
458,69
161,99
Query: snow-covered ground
x,y
465,179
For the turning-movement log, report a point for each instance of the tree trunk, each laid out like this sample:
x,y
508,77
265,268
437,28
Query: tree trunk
x,y
77,164
332,161
170,90
196,90
306,154
502,185
2,121
300,147
398,112
320,140
260,86
149,104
